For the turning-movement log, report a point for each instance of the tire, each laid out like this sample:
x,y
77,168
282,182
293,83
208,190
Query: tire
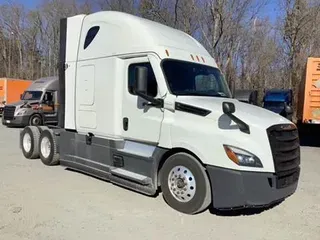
x,y
48,148
29,142
35,120
42,128
195,196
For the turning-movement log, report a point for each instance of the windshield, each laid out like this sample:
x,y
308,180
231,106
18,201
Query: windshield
x,y
31,95
274,104
186,78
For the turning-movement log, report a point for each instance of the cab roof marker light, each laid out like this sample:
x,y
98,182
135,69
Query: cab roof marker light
x,y
198,59
203,59
192,56
167,52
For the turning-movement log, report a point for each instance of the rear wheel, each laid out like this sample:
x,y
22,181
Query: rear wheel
x,y
185,184
30,142
48,148
42,128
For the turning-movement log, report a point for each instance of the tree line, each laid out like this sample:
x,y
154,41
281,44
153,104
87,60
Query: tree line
x,y
254,51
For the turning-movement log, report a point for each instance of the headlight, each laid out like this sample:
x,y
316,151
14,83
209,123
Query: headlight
x,y
21,112
242,157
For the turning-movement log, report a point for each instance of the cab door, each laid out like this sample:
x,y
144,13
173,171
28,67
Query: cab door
x,y
140,122
49,107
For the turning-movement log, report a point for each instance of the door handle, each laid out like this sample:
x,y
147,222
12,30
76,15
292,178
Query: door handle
x,y
125,123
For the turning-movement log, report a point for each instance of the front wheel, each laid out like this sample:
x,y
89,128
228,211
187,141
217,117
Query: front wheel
x,y
185,184
35,120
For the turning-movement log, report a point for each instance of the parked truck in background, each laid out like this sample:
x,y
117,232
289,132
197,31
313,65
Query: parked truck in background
x,y
145,106
10,90
308,112
247,96
279,101
37,105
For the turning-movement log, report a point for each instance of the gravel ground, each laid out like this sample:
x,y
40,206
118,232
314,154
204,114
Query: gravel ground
x,y
38,202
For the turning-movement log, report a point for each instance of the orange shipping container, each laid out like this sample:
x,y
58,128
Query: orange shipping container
x,y
11,89
309,94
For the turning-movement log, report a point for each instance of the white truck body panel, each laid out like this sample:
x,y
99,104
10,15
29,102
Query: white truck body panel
x,y
205,136
134,35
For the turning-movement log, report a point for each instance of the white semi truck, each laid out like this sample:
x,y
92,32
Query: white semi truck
x,y
144,106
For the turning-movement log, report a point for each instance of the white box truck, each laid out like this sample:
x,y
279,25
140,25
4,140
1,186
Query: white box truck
x,y
144,106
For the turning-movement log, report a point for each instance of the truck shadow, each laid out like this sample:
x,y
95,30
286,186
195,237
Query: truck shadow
x,y
213,211
243,211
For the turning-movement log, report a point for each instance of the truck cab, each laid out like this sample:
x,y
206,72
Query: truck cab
x,y
279,101
247,96
37,105
145,106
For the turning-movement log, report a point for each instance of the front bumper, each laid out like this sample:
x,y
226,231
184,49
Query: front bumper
x,y
239,189
18,121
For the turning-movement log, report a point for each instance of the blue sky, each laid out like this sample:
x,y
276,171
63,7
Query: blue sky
x,y
272,10
27,3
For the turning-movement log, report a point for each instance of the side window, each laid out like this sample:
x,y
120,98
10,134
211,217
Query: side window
x,y
152,82
90,36
48,97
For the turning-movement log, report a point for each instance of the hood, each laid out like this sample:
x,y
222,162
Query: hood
x,y
250,114
21,102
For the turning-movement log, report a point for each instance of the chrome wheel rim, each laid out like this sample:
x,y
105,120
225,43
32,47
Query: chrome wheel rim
x,y
27,142
45,147
182,183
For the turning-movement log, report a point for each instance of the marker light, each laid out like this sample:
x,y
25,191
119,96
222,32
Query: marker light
x,y
242,157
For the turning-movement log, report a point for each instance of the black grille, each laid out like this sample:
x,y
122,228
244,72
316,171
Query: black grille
x,y
8,112
285,147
